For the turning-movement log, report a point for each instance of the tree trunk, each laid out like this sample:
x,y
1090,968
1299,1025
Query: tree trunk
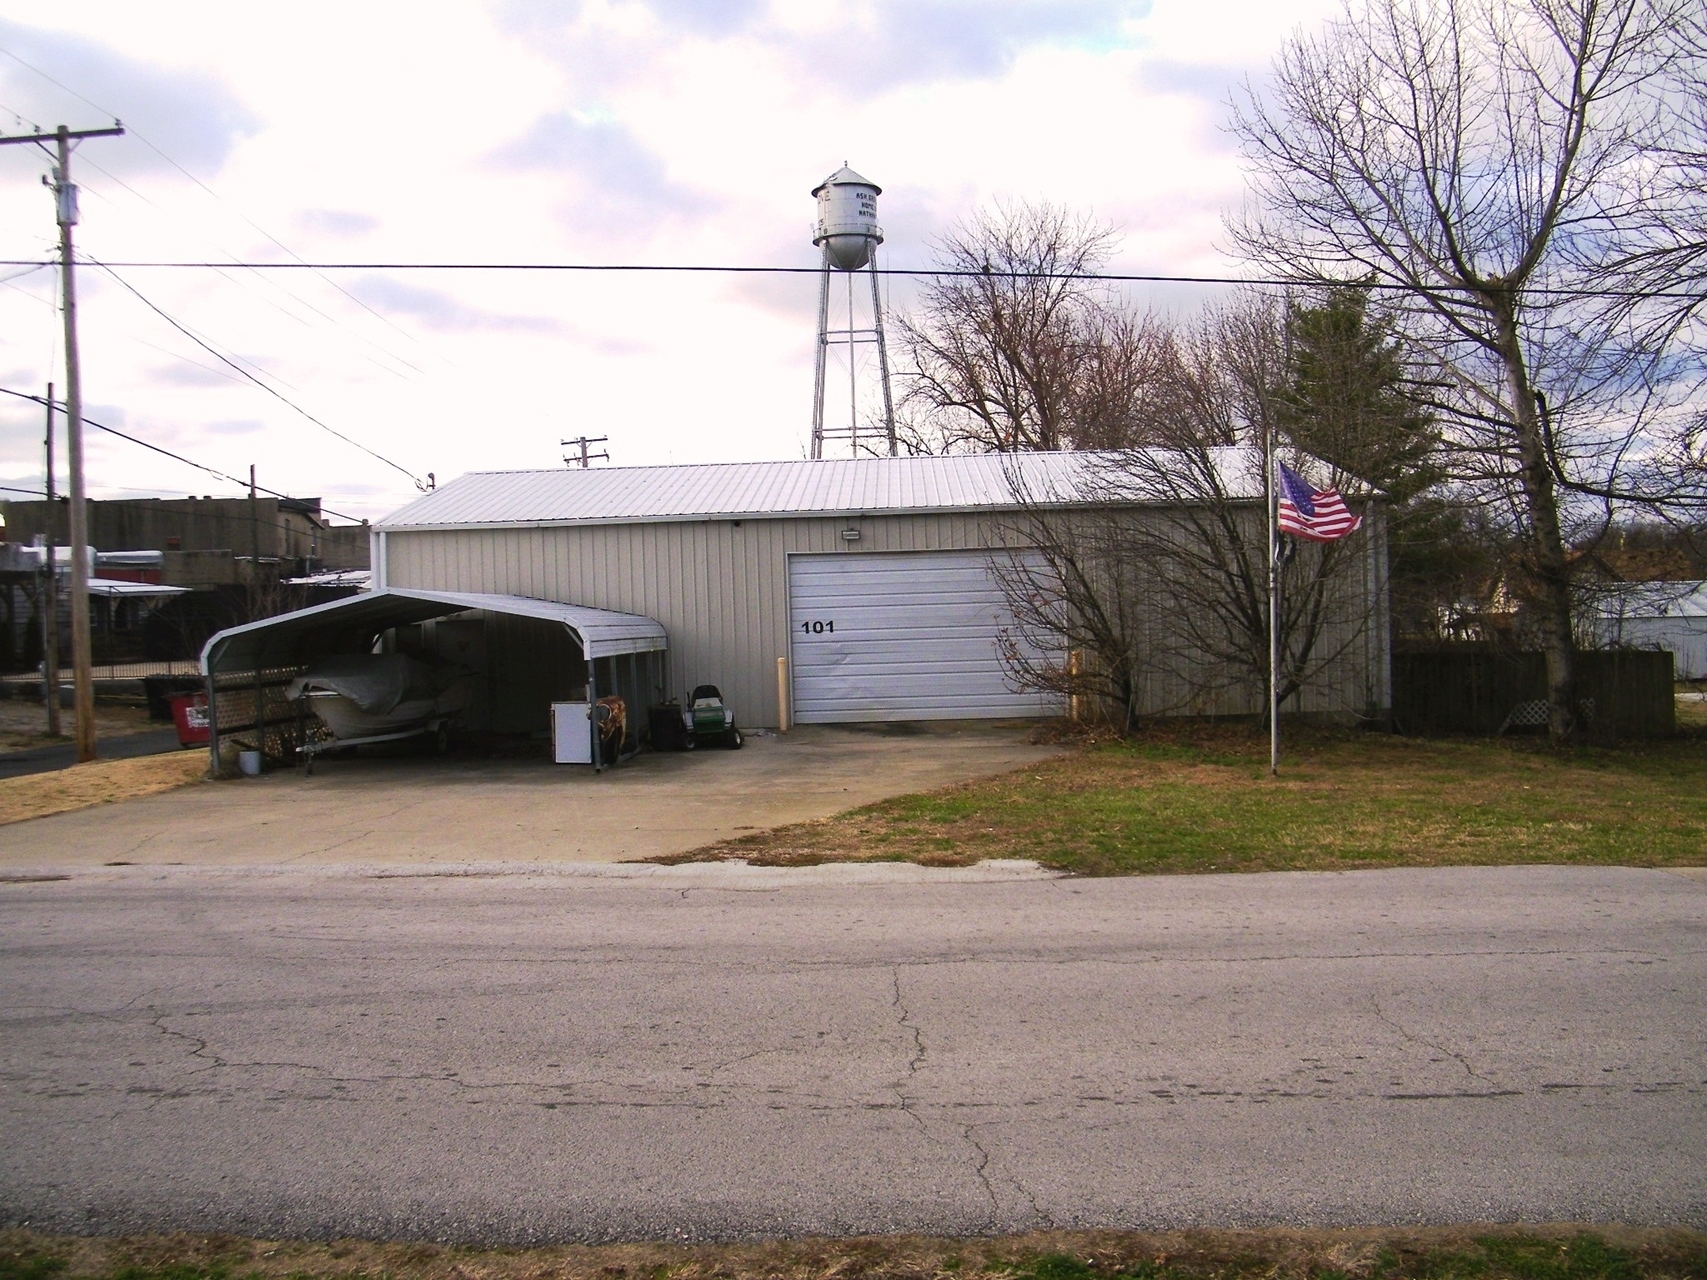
x,y
1547,588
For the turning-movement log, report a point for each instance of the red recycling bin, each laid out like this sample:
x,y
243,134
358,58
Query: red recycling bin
x,y
189,713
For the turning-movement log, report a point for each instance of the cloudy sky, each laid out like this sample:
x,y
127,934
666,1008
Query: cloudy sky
x,y
654,131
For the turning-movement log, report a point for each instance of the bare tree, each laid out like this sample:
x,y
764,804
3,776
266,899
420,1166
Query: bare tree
x,y
1082,608
1470,159
1663,217
1153,562
1016,349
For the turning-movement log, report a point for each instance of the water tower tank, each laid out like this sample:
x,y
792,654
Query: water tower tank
x,y
847,219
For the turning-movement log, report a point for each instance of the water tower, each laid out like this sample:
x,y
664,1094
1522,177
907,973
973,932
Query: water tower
x,y
848,235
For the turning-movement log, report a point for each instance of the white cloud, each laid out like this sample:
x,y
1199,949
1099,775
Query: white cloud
x,y
603,131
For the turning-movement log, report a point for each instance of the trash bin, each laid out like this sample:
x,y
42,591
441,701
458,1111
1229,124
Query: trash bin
x,y
159,691
189,713
666,728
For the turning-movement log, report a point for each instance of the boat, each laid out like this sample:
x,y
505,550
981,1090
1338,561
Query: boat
x,y
381,697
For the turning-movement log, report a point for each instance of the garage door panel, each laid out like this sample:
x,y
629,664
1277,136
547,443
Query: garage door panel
x,y
900,636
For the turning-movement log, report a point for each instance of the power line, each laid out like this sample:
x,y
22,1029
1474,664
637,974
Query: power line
x,y
207,344
150,144
28,271
36,493
266,298
176,457
294,297
943,273
270,390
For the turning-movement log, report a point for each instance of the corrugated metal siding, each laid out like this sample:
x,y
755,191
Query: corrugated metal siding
x,y
902,636
720,588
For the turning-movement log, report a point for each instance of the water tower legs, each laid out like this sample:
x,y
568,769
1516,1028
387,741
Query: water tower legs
x,y
882,358
852,337
822,355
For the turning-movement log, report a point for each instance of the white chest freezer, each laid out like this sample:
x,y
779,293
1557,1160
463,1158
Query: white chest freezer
x,y
572,732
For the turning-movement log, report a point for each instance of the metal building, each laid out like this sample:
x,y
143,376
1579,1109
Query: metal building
x,y
870,576
1656,615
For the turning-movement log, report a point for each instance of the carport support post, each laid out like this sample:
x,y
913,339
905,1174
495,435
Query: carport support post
x,y
634,689
212,725
593,713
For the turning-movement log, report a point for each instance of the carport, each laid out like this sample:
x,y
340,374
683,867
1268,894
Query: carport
x,y
528,653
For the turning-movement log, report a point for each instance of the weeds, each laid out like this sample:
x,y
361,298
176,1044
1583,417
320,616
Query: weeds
x,y
1359,1254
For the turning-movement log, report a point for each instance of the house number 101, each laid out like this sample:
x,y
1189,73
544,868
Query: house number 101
x,y
818,628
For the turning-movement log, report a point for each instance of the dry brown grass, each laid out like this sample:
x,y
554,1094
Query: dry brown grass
x,y
82,786
1272,1254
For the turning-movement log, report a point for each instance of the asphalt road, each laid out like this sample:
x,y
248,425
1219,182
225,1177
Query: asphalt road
x,y
706,1052
62,755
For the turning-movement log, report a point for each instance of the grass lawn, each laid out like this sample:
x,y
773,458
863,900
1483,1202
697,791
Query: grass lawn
x,y
1200,799
1439,1253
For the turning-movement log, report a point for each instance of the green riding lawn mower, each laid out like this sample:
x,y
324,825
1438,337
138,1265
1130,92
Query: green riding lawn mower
x,y
704,722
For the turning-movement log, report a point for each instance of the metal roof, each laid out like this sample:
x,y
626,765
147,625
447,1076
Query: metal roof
x,y
290,638
761,490
123,588
846,177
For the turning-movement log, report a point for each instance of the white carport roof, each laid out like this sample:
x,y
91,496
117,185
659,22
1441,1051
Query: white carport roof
x,y
285,640
119,588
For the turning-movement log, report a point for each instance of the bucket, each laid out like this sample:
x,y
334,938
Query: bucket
x,y
249,763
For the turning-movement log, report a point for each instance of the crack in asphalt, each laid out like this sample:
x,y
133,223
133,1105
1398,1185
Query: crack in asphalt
x,y
814,964
1415,1038
979,1170
916,1056
214,1062
915,1059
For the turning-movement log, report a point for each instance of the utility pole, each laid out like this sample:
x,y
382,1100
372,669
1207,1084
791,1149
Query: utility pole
x,y
583,459
65,213
255,609
50,591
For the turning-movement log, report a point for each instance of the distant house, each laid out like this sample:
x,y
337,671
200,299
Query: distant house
x,y
206,542
145,549
1657,615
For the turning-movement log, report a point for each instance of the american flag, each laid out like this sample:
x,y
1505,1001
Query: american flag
x,y
1317,514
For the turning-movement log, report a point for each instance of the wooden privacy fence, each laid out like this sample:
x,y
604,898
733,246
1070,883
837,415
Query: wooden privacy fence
x,y
1625,693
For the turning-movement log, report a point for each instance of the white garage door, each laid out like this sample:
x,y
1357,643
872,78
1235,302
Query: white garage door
x,y
900,636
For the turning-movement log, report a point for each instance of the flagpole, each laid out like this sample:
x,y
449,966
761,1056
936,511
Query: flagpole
x,y
1273,605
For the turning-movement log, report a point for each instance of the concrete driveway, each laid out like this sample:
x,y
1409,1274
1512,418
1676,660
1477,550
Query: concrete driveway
x,y
462,811
589,1052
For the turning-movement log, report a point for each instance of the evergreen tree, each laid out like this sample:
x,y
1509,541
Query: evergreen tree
x,y
1347,399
